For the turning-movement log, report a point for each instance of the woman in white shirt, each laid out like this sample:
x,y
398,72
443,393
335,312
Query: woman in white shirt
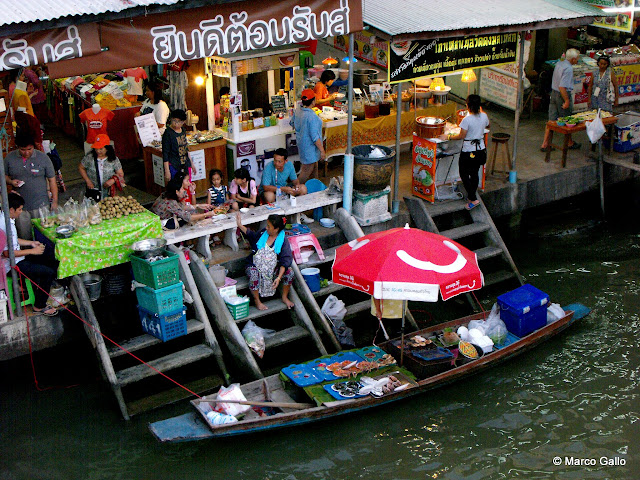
x,y
156,105
474,151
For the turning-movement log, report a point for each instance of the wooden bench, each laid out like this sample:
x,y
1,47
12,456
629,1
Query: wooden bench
x,y
226,224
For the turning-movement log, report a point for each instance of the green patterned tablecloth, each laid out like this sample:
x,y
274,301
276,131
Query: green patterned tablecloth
x,y
103,245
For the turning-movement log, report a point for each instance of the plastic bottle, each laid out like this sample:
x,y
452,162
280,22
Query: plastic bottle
x,y
278,195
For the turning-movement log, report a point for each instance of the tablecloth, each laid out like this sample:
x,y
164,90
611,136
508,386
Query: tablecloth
x,y
103,245
382,130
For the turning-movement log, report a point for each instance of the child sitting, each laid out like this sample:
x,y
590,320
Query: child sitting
x,y
217,193
243,190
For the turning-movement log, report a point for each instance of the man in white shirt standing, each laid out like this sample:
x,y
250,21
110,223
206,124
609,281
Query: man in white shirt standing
x,y
29,259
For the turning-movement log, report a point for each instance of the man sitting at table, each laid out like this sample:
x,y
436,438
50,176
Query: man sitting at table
x,y
31,260
280,173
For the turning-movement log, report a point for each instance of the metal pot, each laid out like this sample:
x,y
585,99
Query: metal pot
x,y
430,127
149,247
364,77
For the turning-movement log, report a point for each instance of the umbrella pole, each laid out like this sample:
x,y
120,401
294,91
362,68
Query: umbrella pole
x,y
404,306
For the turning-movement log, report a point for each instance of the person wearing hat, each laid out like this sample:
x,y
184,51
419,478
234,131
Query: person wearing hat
x,y
101,169
308,127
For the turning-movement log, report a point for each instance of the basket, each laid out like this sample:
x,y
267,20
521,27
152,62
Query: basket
x,y
158,274
239,310
160,301
166,326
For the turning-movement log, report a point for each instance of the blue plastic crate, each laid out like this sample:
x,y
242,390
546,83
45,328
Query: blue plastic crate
x,y
301,375
162,300
166,326
524,309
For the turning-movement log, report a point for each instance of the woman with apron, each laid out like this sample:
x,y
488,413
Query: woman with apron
x,y
269,264
474,152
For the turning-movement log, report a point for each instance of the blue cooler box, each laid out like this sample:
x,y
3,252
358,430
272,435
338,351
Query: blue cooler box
x,y
524,309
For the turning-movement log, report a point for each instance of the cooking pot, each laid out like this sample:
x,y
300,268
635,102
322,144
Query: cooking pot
x,y
430,127
364,77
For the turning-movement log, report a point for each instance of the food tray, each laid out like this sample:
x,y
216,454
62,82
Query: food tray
x,y
421,368
337,395
371,353
433,354
319,367
511,338
301,375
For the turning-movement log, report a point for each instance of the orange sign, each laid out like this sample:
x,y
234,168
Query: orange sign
x,y
424,168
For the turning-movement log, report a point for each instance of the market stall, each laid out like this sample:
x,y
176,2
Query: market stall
x,y
583,73
204,154
625,62
99,246
256,114
382,130
73,95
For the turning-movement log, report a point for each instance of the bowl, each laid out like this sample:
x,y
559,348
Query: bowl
x,y
462,358
244,209
65,231
560,123
327,222
571,125
149,247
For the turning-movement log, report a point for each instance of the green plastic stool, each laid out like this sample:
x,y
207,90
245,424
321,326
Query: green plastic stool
x,y
31,297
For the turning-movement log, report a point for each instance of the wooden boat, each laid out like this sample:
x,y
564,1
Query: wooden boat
x,y
288,412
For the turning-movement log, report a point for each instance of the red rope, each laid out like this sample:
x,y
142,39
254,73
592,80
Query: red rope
x,y
484,313
94,329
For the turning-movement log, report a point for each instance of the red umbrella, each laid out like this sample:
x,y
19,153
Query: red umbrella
x,y
407,264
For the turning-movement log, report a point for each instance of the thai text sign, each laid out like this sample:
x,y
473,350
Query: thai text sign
x,y
499,87
424,58
423,168
215,30
22,50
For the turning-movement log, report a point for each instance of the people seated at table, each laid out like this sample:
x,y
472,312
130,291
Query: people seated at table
x,y
218,193
269,264
280,173
101,169
172,212
31,174
243,190
29,258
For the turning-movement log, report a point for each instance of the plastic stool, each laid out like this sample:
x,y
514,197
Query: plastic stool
x,y
499,139
31,298
307,240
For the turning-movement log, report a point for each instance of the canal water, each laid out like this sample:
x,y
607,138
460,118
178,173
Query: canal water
x,y
568,409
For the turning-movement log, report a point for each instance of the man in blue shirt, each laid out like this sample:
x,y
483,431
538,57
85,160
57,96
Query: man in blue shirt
x,y
308,127
280,173
560,104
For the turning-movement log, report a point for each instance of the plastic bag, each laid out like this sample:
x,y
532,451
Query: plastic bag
x,y
477,324
554,313
595,129
232,392
254,336
496,331
334,308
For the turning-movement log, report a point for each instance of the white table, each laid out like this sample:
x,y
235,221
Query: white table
x,y
203,230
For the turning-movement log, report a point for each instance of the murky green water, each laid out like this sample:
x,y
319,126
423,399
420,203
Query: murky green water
x,y
575,398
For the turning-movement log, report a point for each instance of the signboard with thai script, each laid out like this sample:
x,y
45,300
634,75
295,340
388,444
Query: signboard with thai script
x,y
427,58
499,87
23,50
367,47
214,30
622,22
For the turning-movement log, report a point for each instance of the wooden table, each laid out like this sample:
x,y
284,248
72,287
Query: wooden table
x,y
215,156
553,126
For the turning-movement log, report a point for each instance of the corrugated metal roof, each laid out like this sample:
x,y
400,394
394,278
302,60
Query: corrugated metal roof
x,y
412,16
26,11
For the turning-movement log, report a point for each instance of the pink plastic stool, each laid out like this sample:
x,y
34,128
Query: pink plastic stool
x,y
308,239
3,274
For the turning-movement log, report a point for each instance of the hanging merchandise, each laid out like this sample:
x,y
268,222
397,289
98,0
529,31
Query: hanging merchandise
x,y
178,82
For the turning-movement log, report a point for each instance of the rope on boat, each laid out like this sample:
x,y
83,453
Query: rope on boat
x,y
90,326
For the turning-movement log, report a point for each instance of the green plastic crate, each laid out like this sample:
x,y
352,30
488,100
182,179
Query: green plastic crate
x,y
163,300
240,310
158,274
